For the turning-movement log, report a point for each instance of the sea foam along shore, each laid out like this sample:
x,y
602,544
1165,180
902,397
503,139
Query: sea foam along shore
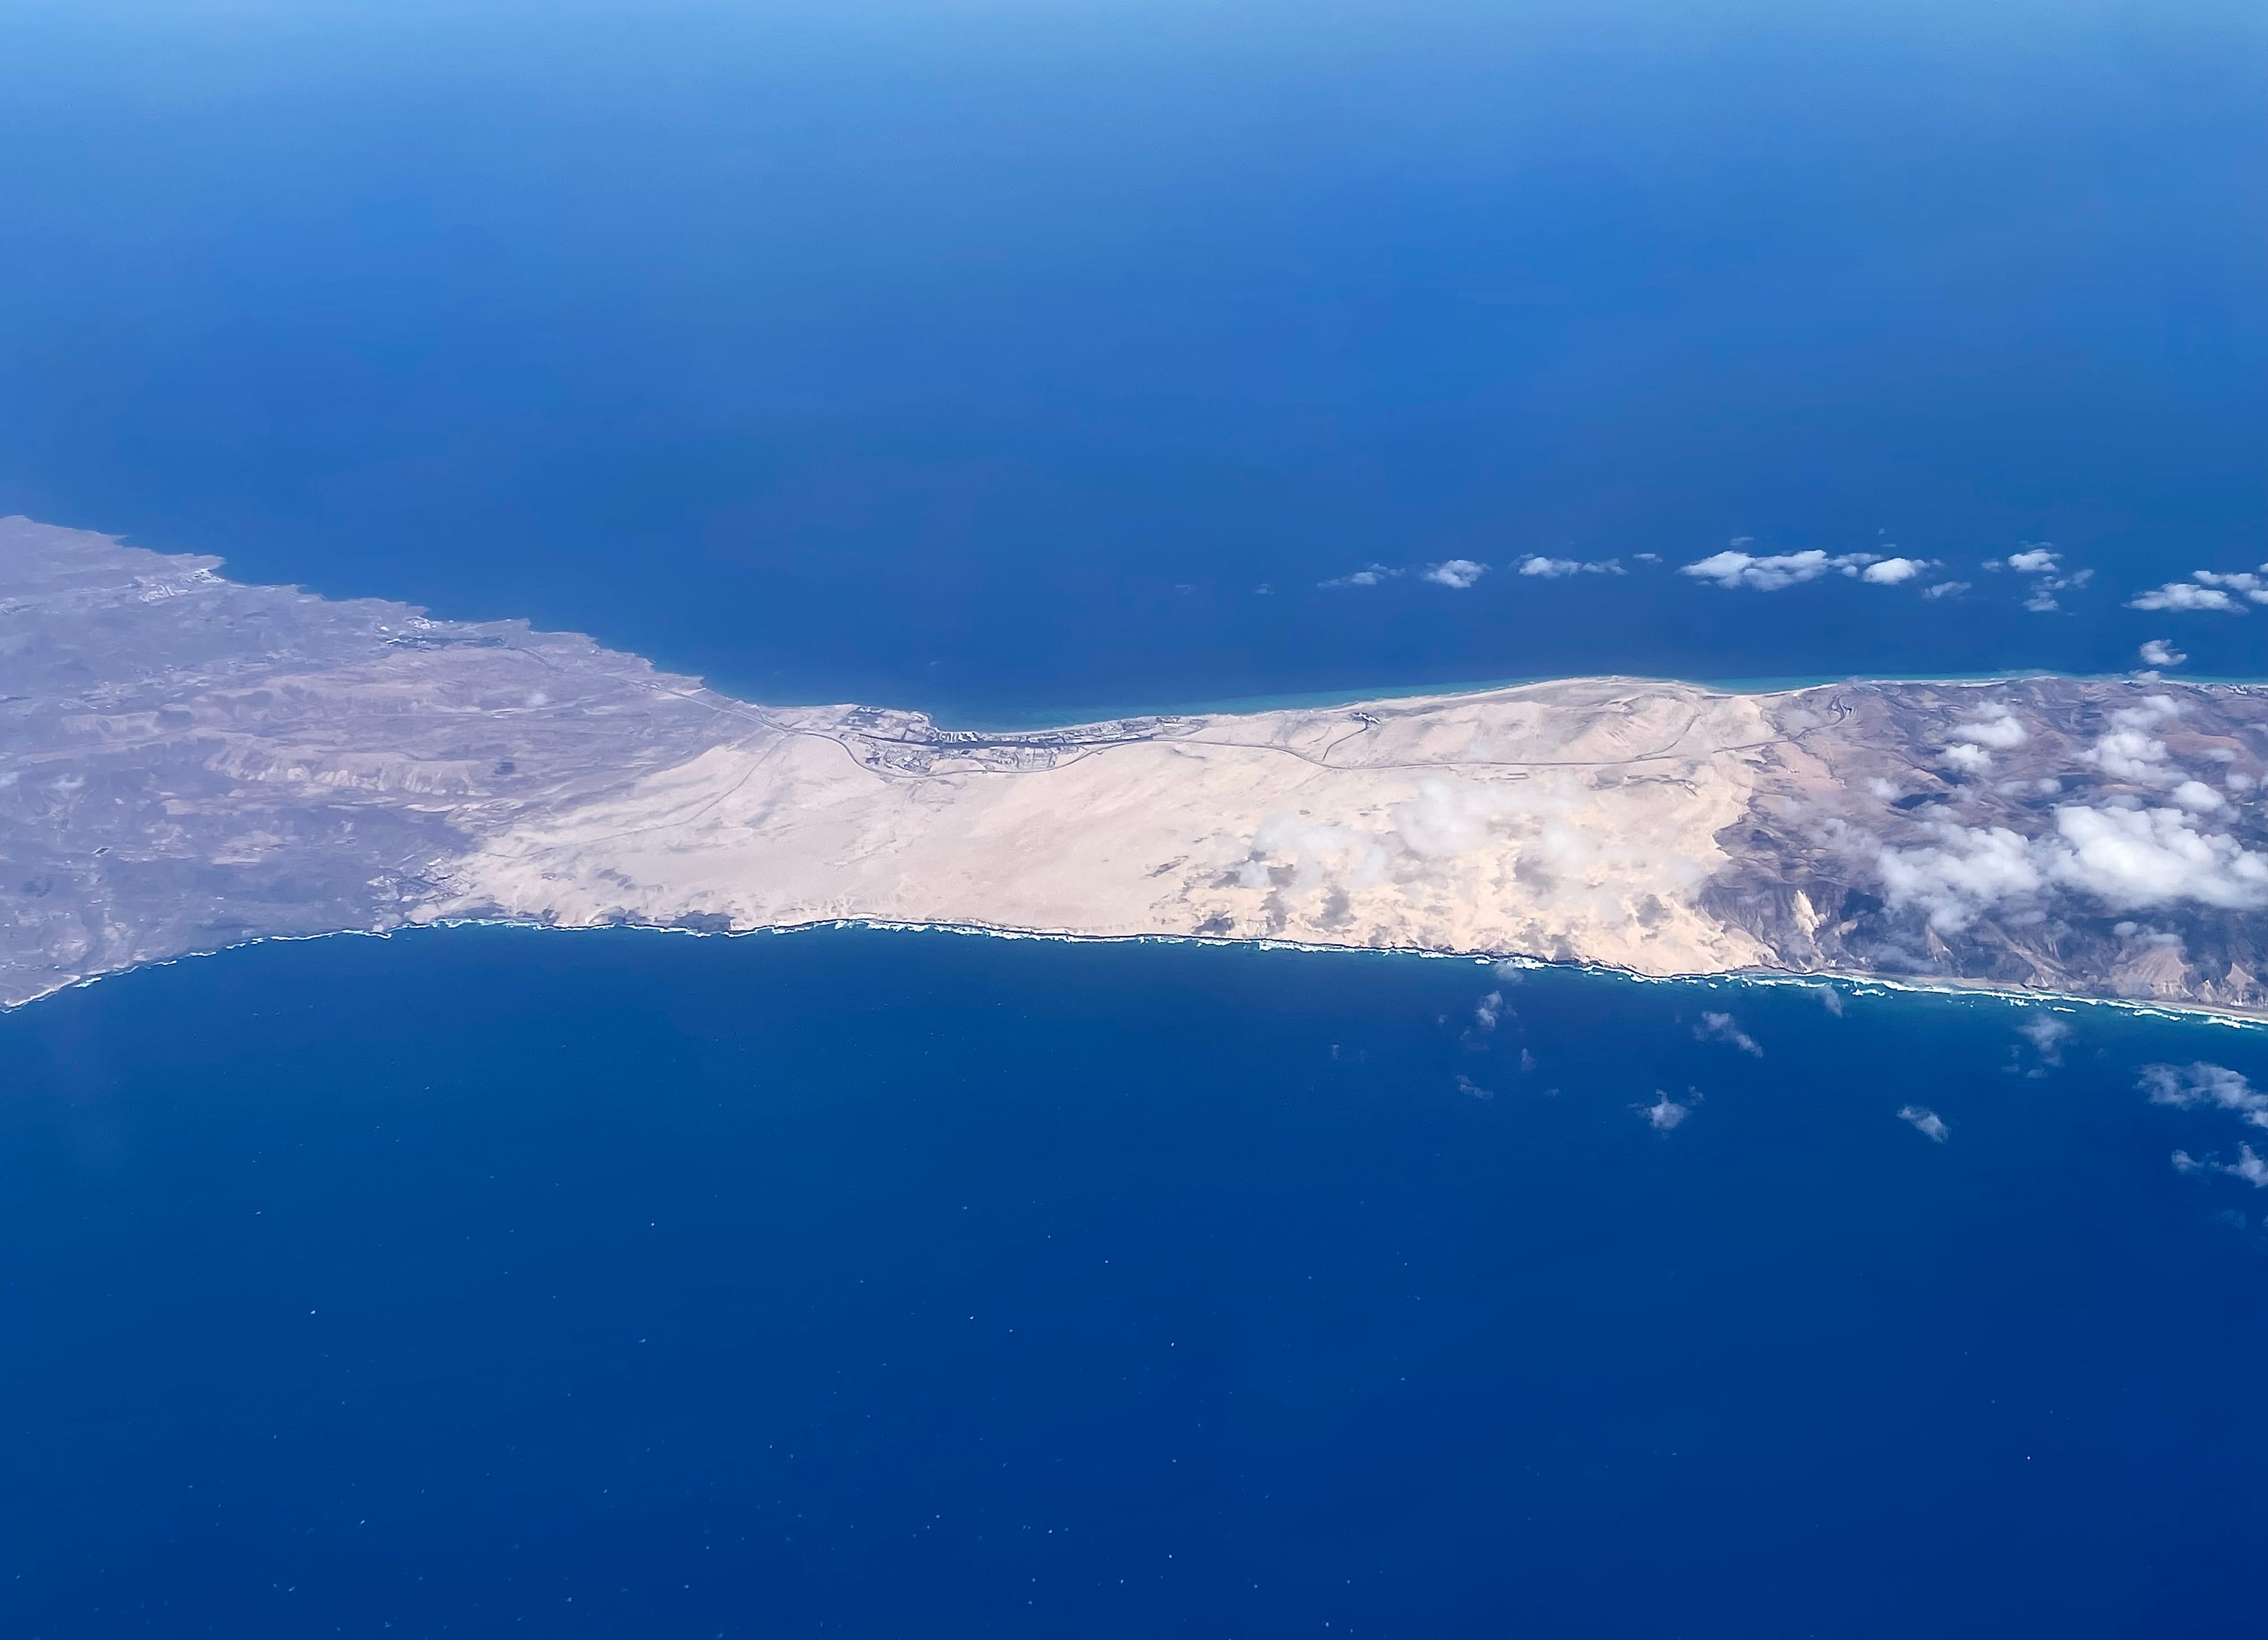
x,y
1849,984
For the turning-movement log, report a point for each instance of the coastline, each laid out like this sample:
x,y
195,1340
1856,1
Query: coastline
x,y
595,723
1323,700
1852,984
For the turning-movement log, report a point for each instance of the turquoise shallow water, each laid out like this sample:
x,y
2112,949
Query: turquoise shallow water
x,y
487,1279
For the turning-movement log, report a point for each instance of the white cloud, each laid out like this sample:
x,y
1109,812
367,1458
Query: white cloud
x,y
1554,569
1459,573
1489,1012
1665,1112
1722,1027
1308,845
2186,598
2198,797
2245,581
2131,756
2047,1034
2126,750
1736,568
1925,1119
2189,1087
2158,652
2127,858
1449,816
1968,755
2001,732
1543,817
1370,575
2206,590
1772,572
2133,858
1471,1089
1968,871
2047,564
2248,1166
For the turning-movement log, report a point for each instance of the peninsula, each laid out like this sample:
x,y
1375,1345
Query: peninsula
x,y
188,763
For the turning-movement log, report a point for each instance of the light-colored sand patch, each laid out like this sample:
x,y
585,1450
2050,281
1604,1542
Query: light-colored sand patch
x,y
1573,821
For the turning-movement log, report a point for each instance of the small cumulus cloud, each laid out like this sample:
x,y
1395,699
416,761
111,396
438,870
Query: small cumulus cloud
x,y
1772,572
1665,1112
2158,652
2127,750
1489,1011
1925,1122
2047,1034
2204,1086
1967,872
2132,859
2186,598
1558,569
2207,592
2249,1165
1974,742
1471,1089
1722,1027
1831,999
1458,573
1369,574
2001,731
2045,564
2248,581
1734,567
2198,797
1945,589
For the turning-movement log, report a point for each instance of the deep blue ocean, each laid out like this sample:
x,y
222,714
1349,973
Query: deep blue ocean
x,y
990,356
1020,362
495,1282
